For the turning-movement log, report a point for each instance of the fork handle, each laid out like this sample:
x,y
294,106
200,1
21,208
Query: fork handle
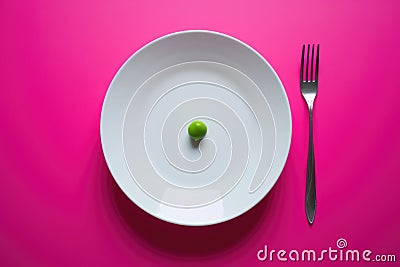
x,y
310,178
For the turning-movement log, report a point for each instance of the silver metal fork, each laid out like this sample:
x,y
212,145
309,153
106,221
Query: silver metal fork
x,y
309,88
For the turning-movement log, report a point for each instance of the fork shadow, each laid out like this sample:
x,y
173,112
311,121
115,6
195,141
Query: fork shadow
x,y
185,241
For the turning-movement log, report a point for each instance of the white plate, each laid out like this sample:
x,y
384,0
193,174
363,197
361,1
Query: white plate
x,y
169,83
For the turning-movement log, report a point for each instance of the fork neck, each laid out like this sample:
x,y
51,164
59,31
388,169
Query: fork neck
x,y
310,104
310,112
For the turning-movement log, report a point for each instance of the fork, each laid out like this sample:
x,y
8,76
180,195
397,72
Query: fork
x,y
309,88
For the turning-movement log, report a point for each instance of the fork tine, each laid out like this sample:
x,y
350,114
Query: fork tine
x,y
301,65
312,64
308,54
317,64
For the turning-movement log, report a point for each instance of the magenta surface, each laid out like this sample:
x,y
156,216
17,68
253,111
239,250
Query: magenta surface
x,y
59,205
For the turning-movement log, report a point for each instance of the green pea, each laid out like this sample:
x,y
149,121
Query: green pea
x,y
197,130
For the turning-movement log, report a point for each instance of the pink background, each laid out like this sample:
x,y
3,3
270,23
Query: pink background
x,y
59,205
